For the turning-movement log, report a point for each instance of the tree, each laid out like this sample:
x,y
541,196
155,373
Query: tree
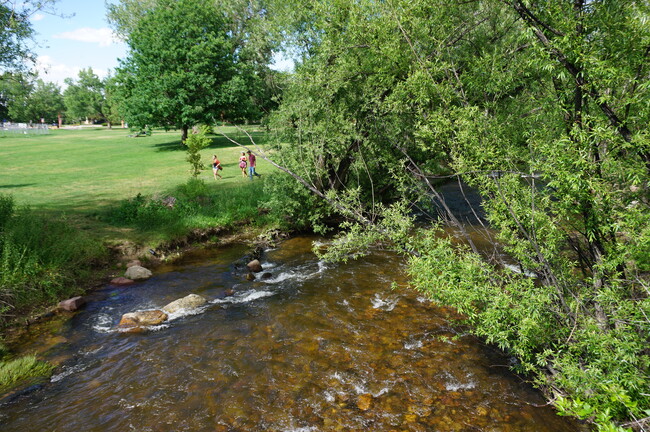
x,y
179,66
45,102
27,99
16,32
84,97
112,101
14,92
247,87
543,108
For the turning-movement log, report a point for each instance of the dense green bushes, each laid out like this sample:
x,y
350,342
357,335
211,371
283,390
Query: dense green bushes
x,y
542,108
193,205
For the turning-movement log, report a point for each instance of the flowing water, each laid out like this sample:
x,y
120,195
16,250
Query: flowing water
x,y
315,347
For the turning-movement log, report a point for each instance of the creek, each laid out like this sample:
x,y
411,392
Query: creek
x,y
315,347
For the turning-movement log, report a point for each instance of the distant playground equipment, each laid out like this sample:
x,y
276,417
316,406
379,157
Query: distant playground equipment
x,y
24,129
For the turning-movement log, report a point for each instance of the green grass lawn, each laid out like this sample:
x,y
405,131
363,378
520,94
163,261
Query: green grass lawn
x,y
80,173
82,170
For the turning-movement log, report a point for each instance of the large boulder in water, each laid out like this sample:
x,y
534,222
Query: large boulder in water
x,y
254,266
142,318
191,301
72,304
137,272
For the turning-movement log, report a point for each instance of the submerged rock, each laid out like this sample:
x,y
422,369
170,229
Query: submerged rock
x,y
72,304
142,318
137,272
364,401
122,281
191,301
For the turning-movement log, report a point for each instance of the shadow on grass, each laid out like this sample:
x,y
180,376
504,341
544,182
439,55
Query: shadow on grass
x,y
169,146
219,141
11,186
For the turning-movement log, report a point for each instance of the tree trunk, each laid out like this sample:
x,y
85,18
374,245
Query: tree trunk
x,y
184,131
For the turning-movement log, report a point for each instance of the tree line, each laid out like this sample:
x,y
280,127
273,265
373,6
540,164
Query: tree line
x,y
26,98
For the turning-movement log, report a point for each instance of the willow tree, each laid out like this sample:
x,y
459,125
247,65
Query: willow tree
x,y
543,108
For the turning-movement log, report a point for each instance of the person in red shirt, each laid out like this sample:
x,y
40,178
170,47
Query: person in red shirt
x,y
251,165
216,166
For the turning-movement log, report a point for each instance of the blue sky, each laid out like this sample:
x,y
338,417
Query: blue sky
x,y
78,37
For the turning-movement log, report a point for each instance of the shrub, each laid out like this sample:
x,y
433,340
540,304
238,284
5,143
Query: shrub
x,y
195,143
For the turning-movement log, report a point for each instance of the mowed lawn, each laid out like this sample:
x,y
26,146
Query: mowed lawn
x,y
84,170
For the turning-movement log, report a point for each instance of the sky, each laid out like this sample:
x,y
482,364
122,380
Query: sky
x,y
79,37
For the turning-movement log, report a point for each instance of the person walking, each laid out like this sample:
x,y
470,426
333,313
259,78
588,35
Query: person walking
x,y
243,162
251,165
216,166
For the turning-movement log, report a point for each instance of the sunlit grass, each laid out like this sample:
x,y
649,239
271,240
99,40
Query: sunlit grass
x,y
83,173
15,371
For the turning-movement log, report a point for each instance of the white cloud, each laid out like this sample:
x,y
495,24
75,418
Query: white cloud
x,y
38,17
52,71
102,36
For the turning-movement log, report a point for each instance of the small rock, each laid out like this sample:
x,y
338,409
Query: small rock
x,y
169,202
137,272
133,263
228,292
191,301
267,275
364,401
142,318
72,304
250,277
254,266
122,281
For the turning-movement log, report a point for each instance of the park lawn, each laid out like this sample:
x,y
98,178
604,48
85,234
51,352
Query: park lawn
x,y
80,173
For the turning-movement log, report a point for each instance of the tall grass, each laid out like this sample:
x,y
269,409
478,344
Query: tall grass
x,y
15,371
193,205
41,258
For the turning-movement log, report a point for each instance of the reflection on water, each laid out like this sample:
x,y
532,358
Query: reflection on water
x,y
313,348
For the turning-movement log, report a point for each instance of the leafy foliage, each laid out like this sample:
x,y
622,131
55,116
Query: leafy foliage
x,y
542,107
195,143
84,97
16,33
